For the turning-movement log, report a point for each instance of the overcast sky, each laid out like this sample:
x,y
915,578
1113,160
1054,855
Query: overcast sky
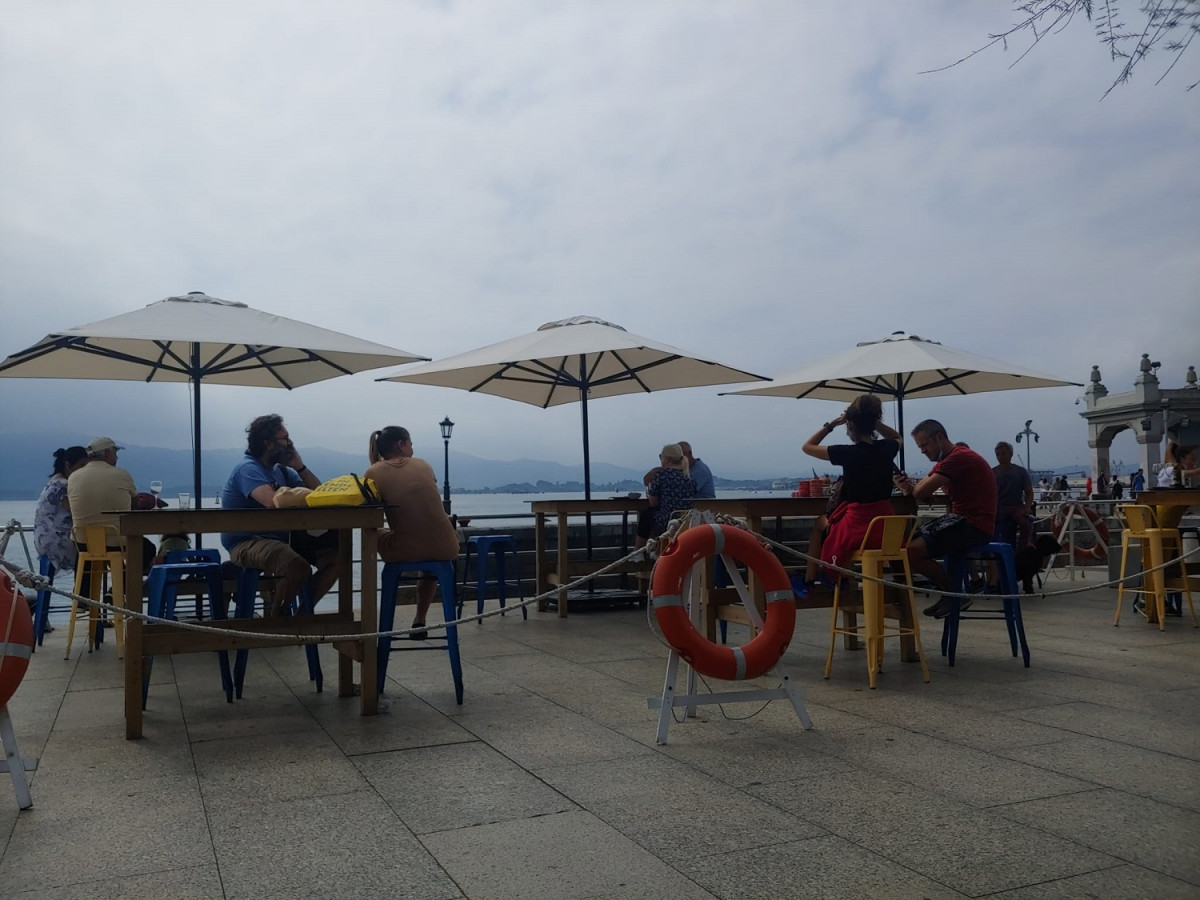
x,y
760,183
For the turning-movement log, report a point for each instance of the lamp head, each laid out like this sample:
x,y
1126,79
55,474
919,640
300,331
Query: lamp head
x,y
447,428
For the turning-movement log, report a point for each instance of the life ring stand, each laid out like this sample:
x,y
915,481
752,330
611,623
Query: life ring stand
x,y
767,647
16,638
1099,550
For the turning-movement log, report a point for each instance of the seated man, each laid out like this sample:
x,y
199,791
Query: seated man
x,y
967,478
272,462
99,490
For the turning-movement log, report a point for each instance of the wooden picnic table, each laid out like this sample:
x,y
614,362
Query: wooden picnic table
x,y
152,640
559,570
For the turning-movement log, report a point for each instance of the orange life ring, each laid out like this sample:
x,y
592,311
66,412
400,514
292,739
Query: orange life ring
x,y
16,638
1098,550
764,650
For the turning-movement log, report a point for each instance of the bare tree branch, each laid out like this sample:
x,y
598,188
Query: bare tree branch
x,y
1164,19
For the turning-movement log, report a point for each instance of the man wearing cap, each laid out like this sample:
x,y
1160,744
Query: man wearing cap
x,y
99,490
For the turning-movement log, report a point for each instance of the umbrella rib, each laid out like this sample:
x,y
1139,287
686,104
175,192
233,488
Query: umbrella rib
x,y
537,372
631,373
80,345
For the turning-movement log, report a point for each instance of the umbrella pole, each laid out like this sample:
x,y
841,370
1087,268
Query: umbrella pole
x,y
196,480
900,426
197,493
587,461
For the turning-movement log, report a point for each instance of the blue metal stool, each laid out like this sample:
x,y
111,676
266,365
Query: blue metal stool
x,y
957,566
244,602
389,584
244,594
162,590
483,544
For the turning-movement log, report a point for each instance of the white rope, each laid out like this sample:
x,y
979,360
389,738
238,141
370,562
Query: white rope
x,y
652,550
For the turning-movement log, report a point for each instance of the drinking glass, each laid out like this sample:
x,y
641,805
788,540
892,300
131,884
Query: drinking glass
x,y
185,501
156,489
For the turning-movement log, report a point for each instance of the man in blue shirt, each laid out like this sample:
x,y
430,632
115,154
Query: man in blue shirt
x,y
272,462
700,472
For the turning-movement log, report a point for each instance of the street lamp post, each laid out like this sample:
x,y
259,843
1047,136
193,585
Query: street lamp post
x,y
1027,434
447,428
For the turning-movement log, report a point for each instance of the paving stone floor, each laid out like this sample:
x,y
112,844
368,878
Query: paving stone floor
x,y
1077,777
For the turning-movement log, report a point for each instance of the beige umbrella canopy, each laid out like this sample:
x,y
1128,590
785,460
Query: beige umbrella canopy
x,y
901,366
569,361
197,338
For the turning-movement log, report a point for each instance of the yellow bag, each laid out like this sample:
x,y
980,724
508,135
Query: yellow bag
x,y
345,490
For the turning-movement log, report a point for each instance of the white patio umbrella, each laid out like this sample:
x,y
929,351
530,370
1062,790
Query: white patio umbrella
x,y
197,338
569,361
900,366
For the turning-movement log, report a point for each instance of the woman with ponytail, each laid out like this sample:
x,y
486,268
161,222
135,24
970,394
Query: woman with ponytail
x,y
418,527
867,467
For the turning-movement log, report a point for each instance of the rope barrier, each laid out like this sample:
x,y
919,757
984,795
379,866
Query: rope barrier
x,y
28,578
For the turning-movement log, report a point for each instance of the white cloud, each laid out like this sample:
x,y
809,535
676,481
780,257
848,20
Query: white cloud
x,y
761,183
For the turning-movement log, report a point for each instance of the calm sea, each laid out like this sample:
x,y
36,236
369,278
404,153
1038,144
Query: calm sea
x,y
508,509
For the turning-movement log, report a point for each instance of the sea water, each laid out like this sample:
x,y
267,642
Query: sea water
x,y
484,510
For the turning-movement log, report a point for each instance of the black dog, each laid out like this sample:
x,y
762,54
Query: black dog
x,y
1029,560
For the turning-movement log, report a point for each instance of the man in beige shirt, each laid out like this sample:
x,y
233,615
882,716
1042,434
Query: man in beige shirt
x,y
102,487
99,488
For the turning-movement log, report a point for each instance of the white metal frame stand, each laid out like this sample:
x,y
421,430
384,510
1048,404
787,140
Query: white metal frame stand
x,y
13,763
670,700
1066,534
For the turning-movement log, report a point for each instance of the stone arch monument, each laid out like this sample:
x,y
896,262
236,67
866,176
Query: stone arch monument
x,y
1148,411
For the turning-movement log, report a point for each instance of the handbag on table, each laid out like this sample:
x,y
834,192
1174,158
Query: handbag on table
x,y
344,490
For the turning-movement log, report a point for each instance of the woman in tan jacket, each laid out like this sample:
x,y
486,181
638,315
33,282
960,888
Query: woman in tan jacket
x,y
418,527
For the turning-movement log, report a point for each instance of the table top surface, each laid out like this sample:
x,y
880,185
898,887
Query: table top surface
x,y
1169,497
209,521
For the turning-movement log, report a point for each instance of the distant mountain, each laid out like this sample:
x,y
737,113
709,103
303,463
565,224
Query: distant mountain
x,y
26,461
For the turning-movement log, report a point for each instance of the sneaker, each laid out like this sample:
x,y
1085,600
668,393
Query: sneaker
x,y
1139,606
800,586
943,607
979,587
939,610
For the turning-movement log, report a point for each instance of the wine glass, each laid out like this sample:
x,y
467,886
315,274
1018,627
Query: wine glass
x,y
156,489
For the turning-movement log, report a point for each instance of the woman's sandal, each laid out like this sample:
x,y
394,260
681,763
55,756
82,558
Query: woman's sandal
x,y
418,632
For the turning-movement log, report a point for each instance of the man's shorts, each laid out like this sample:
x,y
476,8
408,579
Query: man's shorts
x,y
274,556
951,533
266,554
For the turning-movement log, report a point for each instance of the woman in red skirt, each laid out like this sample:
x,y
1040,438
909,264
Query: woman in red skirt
x,y
867,466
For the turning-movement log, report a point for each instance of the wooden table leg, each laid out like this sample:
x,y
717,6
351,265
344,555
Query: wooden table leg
x,y
563,565
369,602
133,638
345,606
539,558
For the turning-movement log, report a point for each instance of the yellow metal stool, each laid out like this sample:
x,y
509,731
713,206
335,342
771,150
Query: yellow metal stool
x,y
1140,525
96,559
891,534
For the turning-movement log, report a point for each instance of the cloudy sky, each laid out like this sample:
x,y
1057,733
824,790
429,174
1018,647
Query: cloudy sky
x,y
760,183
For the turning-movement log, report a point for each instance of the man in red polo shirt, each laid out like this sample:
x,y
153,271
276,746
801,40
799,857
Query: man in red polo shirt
x,y
967,478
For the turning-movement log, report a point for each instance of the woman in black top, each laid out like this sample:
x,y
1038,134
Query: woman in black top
x,y
867,467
